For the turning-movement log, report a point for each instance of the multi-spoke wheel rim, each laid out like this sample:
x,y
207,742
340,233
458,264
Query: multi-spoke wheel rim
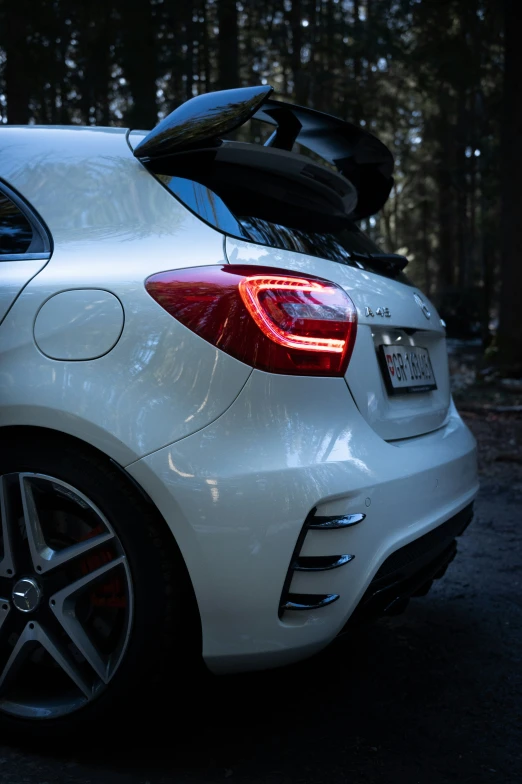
x,y
66,601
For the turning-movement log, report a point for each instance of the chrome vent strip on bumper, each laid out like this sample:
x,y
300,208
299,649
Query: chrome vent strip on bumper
x,y
329,523
306,601
320,563
316,563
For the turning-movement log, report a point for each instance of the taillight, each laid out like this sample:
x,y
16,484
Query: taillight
x,y
268,318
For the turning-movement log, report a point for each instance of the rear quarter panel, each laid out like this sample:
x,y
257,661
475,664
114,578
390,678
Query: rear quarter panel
x,y
113,225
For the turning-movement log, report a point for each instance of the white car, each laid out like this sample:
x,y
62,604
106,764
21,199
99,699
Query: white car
x,y
225,415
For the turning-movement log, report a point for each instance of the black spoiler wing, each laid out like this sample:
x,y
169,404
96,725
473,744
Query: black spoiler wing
x,y
203,120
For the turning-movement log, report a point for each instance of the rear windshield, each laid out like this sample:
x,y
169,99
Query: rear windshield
x,y
336,246
232,204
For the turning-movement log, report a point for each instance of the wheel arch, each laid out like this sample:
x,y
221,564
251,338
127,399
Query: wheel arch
x,y
29,433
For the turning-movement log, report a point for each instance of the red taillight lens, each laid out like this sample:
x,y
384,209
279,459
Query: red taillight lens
x,y
273,320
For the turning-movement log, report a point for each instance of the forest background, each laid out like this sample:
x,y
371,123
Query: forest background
x,y
437,80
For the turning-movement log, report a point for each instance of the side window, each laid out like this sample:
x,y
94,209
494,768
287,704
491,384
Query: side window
x,y
16,233
22,233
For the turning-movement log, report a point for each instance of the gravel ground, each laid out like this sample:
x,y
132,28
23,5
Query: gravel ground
x,y
431,697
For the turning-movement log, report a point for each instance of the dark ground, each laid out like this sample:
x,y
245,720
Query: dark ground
x,y
431,697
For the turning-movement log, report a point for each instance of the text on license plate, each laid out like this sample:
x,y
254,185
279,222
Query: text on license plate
x,y
406,369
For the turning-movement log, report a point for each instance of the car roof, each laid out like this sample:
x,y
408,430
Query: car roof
x,y
21,143
5,127
27,150
71,175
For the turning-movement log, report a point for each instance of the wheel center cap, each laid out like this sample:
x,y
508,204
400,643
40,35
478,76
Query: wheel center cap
x,y
26,594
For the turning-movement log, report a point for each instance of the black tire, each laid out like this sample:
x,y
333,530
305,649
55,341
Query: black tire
x,y
162,593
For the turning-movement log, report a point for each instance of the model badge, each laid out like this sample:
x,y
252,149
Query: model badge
x,y
383,312
422,305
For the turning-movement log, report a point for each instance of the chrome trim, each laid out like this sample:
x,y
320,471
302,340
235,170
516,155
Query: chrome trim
x,y
422,305
305,601
329,523
26,595
25,256
320,563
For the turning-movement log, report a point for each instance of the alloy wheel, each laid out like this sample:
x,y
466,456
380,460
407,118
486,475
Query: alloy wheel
x,y
66,601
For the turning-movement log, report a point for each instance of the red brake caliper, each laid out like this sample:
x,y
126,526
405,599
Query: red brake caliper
x,y
110,594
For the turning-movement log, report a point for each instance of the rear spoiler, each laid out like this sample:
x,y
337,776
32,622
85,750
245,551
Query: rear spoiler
x,y
202,121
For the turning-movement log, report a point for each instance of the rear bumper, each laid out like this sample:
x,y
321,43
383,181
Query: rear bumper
x,y
411,570
237,493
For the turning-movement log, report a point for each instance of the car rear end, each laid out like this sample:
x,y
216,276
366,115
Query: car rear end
x,y
319,497
410,439
293,512
210,322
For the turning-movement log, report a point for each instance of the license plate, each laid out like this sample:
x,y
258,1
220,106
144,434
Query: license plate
x,y
406,369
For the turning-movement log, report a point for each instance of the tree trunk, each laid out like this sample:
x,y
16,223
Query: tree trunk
x,y
510,323
190,33
445,167
446,233
425,242
313,66
173,58
63,116
206,51
461,191
298,73
487,267
228,45
101,64
356,87
139,60
18,75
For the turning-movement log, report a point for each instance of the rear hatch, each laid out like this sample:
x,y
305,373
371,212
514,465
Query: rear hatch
x,y
280,208
393,413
